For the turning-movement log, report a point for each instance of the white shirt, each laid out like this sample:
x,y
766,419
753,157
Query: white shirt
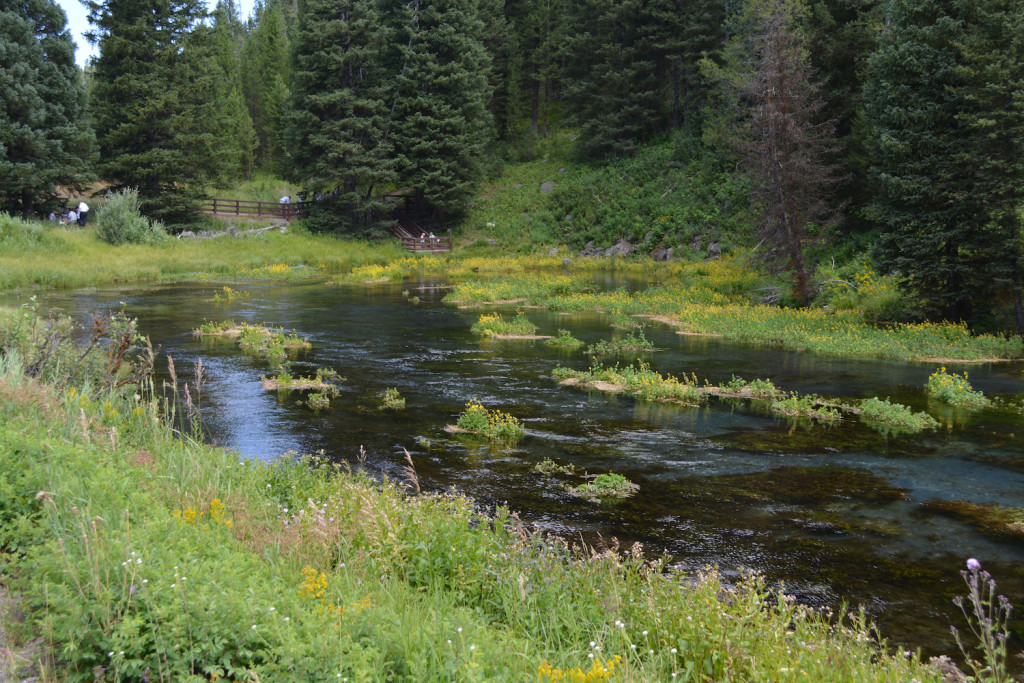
x,y
82,207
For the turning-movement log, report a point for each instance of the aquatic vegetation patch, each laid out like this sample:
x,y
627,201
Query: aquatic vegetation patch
x,y
806,485
808,405
893,418
565,341
609,485
737,387
549,467
270,343
641,381
495,425
723,306
391,399
324,381
954,389
228,295
1000,521
632,343
494,326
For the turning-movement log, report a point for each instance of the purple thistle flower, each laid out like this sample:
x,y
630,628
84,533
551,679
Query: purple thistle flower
x,y
973,565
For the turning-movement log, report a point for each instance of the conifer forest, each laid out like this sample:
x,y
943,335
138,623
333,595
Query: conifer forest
x,y
892,128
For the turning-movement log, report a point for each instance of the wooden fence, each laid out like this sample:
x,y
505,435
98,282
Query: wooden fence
x,y
428,244
253,209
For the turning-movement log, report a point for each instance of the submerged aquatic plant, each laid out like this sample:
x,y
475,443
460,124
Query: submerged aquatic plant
x,y
987,616
391,399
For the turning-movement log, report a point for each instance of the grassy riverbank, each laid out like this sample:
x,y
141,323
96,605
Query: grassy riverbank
x,y
141,554
40,255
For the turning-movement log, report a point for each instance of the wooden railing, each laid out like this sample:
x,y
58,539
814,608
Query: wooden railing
x,y
242,207
416,244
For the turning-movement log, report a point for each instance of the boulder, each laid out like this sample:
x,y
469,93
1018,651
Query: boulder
x,y
714,251
552,251
660,253
568,217
647,238
492,243
621,248
547,188
696,244
567,262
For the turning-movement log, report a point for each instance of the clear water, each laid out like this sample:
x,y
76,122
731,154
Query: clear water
x,y
836,513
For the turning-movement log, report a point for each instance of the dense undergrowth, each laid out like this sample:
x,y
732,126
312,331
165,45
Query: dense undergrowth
x,y
143,554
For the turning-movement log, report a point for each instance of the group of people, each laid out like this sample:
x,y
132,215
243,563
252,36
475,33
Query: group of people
x,y
424,237
73,215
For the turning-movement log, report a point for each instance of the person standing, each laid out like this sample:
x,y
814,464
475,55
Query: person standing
x,y
83,212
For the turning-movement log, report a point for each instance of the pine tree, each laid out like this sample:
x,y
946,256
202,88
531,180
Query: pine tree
x,y
266,56
338,118
992,71
933,219
45,141
440,126
784,149
152,102
228,39
614,92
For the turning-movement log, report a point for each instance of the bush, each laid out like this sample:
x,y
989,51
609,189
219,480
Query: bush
x,y
120,221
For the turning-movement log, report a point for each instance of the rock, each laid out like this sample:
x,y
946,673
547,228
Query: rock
x,y
552,251
696,244
714,251
660,253
491,243
588,246
233,231
187,235
668,254
547,188
562,170
567,262
621,248
568,217
647,238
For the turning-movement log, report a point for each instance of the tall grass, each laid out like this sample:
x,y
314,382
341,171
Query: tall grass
x,y
52,257
144,555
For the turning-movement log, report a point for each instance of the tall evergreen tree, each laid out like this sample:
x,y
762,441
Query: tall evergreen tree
x,y
993,75
784,149
614,92
153,103
45,141
338,118
440,126
943,102
227,38
266,56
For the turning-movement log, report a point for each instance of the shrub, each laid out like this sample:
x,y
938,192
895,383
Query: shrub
x,y
392,399
492,325
120,221
895,417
